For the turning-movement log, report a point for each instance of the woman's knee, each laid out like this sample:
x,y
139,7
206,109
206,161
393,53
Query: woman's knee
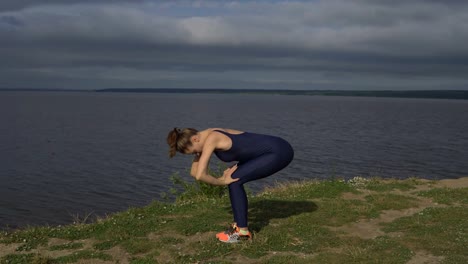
x,y
235,186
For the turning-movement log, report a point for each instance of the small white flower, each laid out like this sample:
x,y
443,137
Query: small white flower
x,y
358,182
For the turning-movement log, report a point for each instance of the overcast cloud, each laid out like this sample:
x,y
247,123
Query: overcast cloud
x,y
328,44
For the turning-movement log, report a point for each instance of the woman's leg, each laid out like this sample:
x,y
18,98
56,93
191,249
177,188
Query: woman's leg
x,y
260,167
254,169
239,204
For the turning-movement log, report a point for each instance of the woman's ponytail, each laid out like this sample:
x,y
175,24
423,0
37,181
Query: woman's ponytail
x,y
179,140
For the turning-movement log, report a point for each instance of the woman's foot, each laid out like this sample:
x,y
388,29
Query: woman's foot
x,y
232,227
234,234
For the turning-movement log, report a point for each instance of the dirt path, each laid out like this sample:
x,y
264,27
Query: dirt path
x,y
453,183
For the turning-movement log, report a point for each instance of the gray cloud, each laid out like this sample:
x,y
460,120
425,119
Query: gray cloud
x,y
349,44
11,5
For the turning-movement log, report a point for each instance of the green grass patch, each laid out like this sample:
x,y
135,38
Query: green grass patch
x,y
32,243
309,190
191,218
143,260
290,259
25,259
135,222
261,212
326,211
30,238
105,245
301,236
455,259
18,258
138,245
389,201
201,251
447,196
379,185
198,223
85,254
66,246
289,235
171,240
337,212
39,236
441,231
379,250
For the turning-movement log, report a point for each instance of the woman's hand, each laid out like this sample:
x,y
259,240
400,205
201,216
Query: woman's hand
x,y
227,175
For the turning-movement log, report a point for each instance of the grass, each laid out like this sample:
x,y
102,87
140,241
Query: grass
x,y
299,222
66,246
441,231
80,255
379,250
380,185
447,195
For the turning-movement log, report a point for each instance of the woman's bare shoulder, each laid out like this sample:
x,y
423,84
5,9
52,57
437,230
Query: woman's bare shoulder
x,y
228,130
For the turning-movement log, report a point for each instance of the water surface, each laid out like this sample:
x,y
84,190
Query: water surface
x,y
68,153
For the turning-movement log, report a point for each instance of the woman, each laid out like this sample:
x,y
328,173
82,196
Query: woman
x,y
258,156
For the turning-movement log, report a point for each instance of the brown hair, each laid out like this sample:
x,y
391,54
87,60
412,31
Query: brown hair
x,y
179,140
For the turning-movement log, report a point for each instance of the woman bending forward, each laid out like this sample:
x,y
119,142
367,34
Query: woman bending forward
x,y
258,156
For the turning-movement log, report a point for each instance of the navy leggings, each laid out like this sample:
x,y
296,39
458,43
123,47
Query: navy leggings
x,y
259,156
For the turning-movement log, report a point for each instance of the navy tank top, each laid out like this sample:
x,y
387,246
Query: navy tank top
x,y
247,146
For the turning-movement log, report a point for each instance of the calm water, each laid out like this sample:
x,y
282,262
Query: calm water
x,y
64,154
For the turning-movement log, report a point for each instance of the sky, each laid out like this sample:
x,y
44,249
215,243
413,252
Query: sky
x,y
306,45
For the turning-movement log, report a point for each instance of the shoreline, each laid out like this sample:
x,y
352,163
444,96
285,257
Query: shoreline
x,y
415,94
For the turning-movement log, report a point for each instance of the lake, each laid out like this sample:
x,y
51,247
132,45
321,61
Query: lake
x,y
73,153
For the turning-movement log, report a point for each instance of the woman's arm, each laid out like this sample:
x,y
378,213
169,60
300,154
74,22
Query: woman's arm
x,y
202,165
196,159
